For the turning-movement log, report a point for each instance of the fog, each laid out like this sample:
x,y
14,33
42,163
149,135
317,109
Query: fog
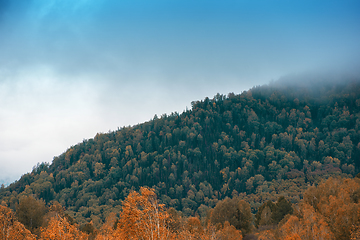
x,y
70,69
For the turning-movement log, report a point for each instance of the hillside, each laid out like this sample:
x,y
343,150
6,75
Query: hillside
x,y
270,141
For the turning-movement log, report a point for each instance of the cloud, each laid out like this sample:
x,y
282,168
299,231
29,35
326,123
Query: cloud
x,y
69,69
39,115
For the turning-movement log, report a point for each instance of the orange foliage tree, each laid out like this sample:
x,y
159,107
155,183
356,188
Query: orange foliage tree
x,y
338,200
229,232
142,217
59,228
307,225
266,235
10,228
193,229
107,231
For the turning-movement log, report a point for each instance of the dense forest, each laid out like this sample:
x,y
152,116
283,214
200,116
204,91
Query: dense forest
x,y
253,164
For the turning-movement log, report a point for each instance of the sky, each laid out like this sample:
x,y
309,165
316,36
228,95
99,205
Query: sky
x,y
72,68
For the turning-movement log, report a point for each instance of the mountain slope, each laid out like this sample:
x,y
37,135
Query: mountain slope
x,y
269,141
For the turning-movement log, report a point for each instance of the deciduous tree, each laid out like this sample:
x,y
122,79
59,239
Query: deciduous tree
x,y
30,212
142,217
59,228
10,228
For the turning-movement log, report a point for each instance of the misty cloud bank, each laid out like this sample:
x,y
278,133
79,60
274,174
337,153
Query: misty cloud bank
x,y
70,69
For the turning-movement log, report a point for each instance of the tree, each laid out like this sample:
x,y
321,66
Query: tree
x,y
229,232
142,217
308,225
269,207
225,142
282,208
10,228
267,235
30,212
107,230
266,216
337,200
192,229
236,212
59,228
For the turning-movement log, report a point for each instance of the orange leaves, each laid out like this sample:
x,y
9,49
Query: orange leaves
x,y
267,235
107,230
10,228
330,211
143,217
60,229
293,236
309,225
337,200
193,229
229,232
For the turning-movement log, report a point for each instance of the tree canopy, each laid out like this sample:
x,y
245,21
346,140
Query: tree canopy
x,y
264,147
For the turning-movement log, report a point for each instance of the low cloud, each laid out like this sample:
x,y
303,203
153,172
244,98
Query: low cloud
x,y
70,69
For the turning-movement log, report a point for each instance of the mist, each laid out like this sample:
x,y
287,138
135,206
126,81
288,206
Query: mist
x,y
71,69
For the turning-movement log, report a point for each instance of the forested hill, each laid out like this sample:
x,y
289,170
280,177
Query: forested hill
x,y
268,141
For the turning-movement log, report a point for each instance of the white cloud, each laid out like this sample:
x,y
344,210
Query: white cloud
x,y
40,116
70,69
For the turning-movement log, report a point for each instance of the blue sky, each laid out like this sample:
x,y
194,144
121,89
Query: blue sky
x,y
70,69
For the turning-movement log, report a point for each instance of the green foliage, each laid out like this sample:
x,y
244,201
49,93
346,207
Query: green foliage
x,y
263,143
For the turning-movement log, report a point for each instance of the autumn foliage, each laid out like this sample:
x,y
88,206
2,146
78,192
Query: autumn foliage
x,y
142,217
59,228
107,230
307,226
236,164
330,210
10,228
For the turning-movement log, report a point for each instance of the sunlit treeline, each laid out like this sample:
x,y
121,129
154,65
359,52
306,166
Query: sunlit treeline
x,y
142,217
329,211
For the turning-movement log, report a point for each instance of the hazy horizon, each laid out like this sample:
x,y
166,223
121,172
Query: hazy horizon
x,y
71,69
